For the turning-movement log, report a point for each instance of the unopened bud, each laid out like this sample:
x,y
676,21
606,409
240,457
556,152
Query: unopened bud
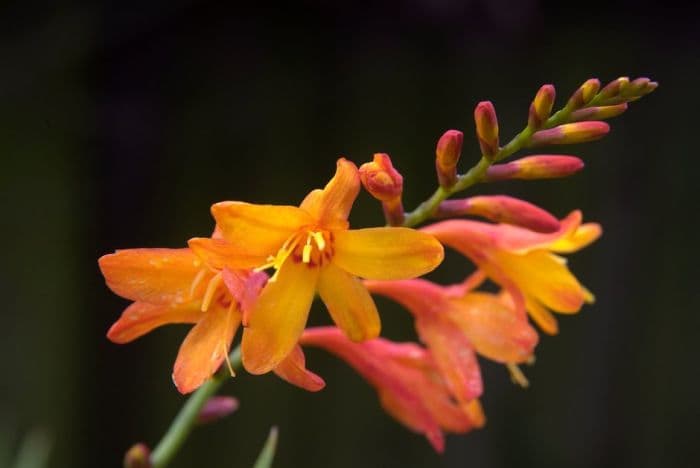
x,y
385,184
501,209
138,456
541,106
569,134
613,90
535,167
598,113
217,407
447,153
584,94
639,87
487,128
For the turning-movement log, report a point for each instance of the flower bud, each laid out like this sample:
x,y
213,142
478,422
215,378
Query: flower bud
x,y
584,94
568,134
385,184
541,106
501,209
535,167
138,456
487,129
217,407
639,87
447,153
598,113
613,90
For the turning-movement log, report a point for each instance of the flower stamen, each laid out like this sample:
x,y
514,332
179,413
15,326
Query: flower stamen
x,y
211,289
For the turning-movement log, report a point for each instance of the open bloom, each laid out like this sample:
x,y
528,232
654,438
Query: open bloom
x,y
455,322
525,262
174,286
409,386
311,249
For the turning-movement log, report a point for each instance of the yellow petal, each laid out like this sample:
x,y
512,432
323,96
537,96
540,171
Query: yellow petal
x,y
205,348
545,277
386,253
278,317
159,276
349,303
585,235
219,254
331,206
257,230
141,317
542,317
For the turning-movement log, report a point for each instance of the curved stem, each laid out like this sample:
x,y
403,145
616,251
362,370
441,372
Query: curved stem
x,y
185,420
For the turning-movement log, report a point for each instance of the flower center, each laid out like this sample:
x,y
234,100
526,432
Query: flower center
x,y
314,248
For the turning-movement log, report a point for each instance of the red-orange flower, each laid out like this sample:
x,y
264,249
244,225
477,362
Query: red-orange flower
x,y
404,375
311,249
525,262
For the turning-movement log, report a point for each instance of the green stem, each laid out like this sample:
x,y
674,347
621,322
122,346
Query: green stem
x,y
186,419
427,209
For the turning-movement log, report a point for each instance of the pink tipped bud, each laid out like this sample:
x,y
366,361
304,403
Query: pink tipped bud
x,y
569,134
501,209
447,153
598,113
541,106
535,167
486,128
138,456
217,407
584,94
640,87
385,184
614,89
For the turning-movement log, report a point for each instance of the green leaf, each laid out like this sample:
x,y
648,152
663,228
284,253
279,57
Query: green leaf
x,y
267,454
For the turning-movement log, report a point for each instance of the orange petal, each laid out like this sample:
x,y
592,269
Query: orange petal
x,y
257,230
141,317
205,348
349,303
585,235
331,206
219,254
159,276
278,317
497,331
541,316
386,252
293,370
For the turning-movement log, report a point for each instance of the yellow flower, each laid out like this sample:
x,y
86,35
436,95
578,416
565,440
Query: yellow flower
x,y
311,248
525,262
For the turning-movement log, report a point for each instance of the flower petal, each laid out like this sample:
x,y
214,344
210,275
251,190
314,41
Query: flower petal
x,y
585,235
293,370
257,230
386,252
205,348
141,317
541,316
159,276
219,254
331,206
278,317
349,303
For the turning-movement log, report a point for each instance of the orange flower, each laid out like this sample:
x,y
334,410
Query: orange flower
x,y
525,262
409,386
174,286
454,322
311,249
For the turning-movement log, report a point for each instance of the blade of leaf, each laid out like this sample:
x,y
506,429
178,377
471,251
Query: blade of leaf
x,y
267,454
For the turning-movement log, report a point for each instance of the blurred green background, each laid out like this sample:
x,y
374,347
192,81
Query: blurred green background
x,y
122,122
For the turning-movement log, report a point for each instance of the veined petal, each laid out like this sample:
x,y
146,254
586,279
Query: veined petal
x,y
141,317
159,276
331,206
386,252
293,370
545,277
205,348
220,254
278,317
497,331
257,230
349,303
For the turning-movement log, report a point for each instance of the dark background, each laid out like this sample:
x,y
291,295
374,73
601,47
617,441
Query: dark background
x,y
122,122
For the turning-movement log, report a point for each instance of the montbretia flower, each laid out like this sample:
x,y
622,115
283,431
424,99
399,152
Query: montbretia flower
x,y
311,248
171,286
525,262
454,322
409,385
